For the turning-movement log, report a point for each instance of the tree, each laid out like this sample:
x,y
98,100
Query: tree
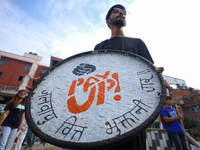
x,y
193,132
191,124
187,122
157,123
194,123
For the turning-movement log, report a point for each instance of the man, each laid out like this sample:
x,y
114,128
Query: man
x,y
116,20
174,126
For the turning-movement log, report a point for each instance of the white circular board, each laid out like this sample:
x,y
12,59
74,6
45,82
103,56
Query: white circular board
x,y
95,97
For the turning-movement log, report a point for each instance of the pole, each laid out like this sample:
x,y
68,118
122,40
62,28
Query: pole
x,y
183,128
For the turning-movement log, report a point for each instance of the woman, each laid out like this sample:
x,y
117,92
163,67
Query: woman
x,y
12,118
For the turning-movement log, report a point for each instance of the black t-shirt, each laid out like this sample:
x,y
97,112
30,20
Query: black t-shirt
x,y
133,45
14,117
136,46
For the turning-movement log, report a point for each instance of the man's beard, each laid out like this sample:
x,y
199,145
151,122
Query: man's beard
x,y
118,22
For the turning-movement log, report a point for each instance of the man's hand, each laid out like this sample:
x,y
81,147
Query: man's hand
x,y
179,116
33,82
161,69
180,112
179,109
29,87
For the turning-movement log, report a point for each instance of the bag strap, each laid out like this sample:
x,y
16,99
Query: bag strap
x,y
167,110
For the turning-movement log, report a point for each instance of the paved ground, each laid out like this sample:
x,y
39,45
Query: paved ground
x,y
36,147
47,147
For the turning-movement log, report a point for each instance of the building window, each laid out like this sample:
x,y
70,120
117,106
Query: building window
x,y
20,78
195,109
190,99
1,73
43,70
192,109
3,62
27,67
197,118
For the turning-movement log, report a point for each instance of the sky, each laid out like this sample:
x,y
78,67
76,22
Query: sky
x,y
62,28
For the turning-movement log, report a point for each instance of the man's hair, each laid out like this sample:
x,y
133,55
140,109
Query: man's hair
x,y
168,97
111,9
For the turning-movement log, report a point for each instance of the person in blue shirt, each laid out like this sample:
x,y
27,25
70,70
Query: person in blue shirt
x,y
174,126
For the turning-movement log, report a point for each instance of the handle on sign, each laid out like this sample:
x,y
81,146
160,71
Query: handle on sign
x,y
183,128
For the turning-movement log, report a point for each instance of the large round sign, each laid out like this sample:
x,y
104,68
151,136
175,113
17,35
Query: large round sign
x,y
95,99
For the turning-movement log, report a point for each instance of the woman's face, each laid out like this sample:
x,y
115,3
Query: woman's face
x,y
22,94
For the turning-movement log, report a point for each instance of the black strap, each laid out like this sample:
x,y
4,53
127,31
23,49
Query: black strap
x,y
167,111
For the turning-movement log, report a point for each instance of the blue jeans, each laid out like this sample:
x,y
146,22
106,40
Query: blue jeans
x,y
179,140
8,135
30,139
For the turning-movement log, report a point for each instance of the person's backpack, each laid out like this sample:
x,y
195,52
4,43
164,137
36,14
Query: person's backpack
x,y
164,123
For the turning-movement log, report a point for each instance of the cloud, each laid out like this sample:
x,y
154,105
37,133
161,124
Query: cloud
x,y
171,31
62,27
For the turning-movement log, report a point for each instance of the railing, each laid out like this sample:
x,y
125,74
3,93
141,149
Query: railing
x,y
8,89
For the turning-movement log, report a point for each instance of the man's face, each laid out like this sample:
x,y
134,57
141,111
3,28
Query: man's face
x,y
169,102
118,17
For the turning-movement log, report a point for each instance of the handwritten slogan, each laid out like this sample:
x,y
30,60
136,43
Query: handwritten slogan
x,y
127,119
107,110
45,107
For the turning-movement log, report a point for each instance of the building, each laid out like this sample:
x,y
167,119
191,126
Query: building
x,y
16,72
189,100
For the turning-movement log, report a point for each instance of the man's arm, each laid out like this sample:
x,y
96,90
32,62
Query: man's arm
x,y
167,119
161,69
